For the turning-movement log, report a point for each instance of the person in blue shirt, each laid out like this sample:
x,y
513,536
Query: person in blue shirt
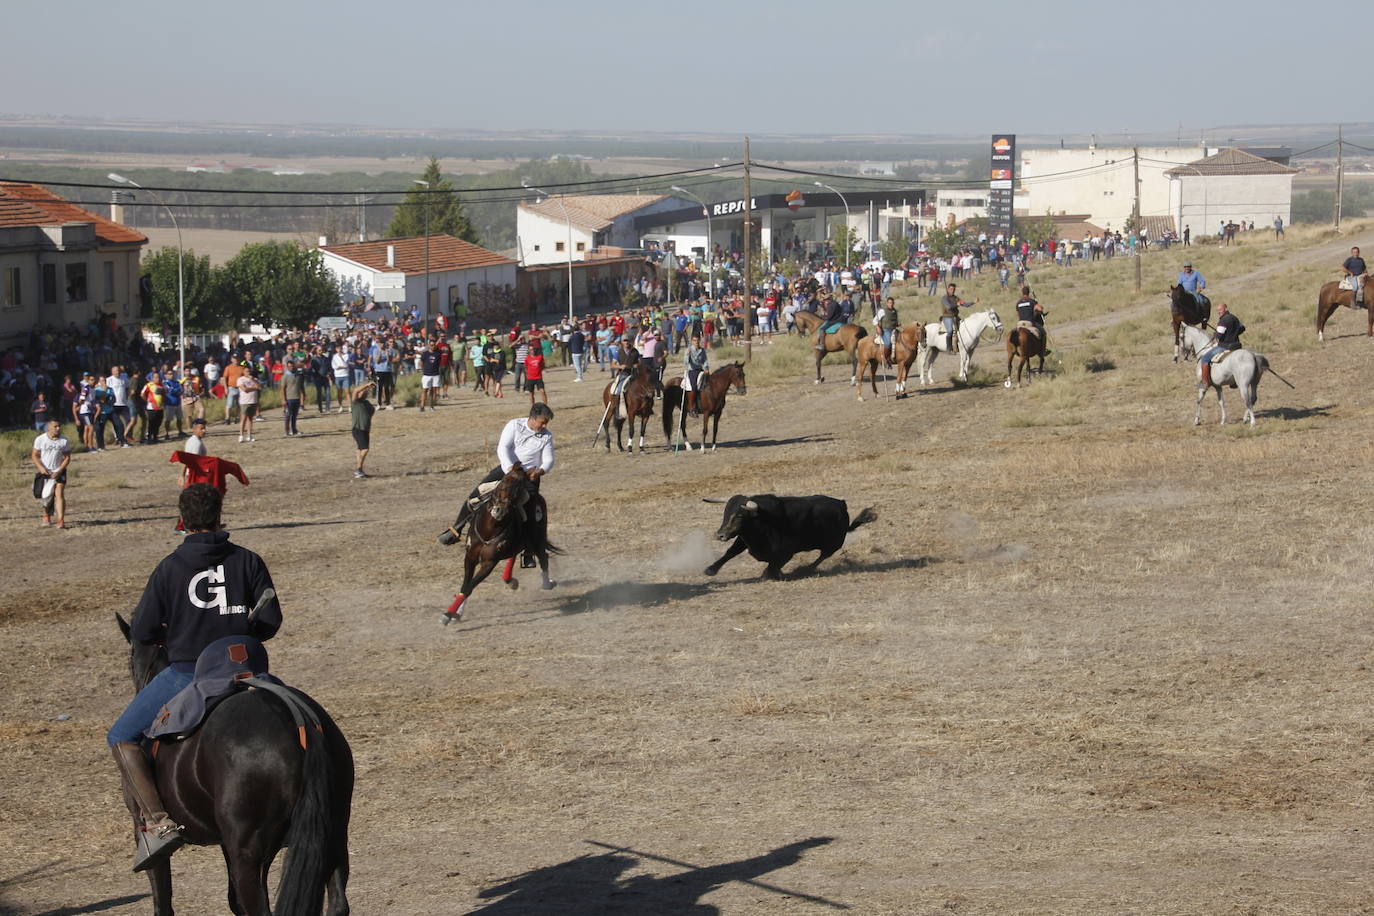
x,y
171,404
1194,283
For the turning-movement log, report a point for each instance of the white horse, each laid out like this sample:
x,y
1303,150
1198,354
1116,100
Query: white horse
x,y
970,332
1242,369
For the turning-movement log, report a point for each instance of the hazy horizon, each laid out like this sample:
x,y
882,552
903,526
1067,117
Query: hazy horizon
x,y
710,68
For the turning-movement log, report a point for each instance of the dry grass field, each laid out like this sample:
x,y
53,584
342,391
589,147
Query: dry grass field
x,y
1090,659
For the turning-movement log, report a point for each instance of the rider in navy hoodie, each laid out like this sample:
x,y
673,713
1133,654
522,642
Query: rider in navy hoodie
x,y
203,591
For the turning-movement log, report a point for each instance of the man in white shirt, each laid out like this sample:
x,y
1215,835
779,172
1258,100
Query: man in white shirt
x,y
118,385
525,442
339,364
194,445
51,454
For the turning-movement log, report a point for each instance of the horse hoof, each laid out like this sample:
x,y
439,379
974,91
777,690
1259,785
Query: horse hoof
x,y
513,582
447,618
1006,383
548,585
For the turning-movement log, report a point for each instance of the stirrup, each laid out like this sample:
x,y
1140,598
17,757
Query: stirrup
x,y
154,846
451,535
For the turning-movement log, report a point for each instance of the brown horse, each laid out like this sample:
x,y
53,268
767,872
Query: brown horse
x,y
1332,297
846,338
906,343
710,402
1184,309
1027,344
512,521
635,401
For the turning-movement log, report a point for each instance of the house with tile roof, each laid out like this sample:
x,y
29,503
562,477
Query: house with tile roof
x,y
392,271
61,264
1230,185
545,228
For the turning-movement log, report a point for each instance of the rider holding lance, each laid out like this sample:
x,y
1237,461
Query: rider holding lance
x,y
1226,337
1355,270
203,591
1194,283
525,441
696,363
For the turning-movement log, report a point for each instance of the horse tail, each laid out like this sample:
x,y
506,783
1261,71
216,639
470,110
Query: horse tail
x,y
863,518
312,840
670,394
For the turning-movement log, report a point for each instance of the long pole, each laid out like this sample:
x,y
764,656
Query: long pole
x,y
568,219
1340,170
748,259
1135,217
181,275
821,184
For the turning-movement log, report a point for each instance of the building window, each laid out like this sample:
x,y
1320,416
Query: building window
x,y
452,295
108,270
76,282
13,294
558,246
536,247
581,246
49,284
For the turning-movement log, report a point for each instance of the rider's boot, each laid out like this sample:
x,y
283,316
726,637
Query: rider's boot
x,y
454,533
1206,381
159,836
820,341
692,403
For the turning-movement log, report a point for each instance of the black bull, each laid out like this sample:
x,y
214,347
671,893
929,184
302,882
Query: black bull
x,y
776,528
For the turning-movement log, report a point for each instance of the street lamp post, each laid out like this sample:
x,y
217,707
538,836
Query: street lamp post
x,y
568,220
821,184
181,281
426,184
710,267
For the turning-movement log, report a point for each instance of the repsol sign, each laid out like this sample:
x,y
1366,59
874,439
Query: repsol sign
x,y
733,206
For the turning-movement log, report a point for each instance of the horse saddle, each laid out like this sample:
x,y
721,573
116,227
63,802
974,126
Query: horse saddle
x,y
1220,358
1032,327
221,671
833,327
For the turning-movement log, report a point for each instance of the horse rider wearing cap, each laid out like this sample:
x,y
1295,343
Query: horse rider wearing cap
x,y
1194,283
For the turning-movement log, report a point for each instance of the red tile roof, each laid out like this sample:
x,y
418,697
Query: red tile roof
x,y
445,253
23,204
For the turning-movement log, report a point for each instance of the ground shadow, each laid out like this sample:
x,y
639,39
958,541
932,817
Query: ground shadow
x,y
132,520
1296,413
844,567
265,525
100,906
642,594
767,442
595,884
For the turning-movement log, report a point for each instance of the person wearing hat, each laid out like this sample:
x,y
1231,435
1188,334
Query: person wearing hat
x,y
1194,283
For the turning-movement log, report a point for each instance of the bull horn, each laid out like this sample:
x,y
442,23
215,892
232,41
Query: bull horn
x,y
713,499
751,506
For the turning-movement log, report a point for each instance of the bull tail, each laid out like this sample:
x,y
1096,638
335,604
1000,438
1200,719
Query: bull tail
x,y
864,517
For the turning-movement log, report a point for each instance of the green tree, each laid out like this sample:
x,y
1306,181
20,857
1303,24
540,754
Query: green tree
x,y
894,251
844,239
945,241
278,283
199,281
1035,231
446,216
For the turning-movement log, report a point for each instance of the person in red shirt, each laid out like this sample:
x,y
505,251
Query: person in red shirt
x,y
534,372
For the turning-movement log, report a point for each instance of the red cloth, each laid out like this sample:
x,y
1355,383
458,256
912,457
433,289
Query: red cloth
x,y
209,469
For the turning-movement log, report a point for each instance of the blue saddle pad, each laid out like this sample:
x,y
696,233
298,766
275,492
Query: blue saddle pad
x,y
221,666
832,328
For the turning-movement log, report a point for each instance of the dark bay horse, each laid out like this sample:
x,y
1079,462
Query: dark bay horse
x,y
1027,344
514,520
846,338
1184,309
251,781
710,401
635,401
1331,297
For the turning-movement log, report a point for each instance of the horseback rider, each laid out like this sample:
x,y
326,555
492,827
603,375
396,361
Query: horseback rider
x,y
1355,271
526,442
201,592
697,363
1031,312
949,316
887,324
623,365
834,313
1194,283
1225,338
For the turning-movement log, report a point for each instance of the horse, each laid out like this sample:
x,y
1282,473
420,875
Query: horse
x,y
905,345
513,520
970,333
846,338
251,780
1184,309
1027,344
1331,297
710,402
635,401
1242,369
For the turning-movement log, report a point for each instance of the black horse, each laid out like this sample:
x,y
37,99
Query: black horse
x,y
1184,308
252,781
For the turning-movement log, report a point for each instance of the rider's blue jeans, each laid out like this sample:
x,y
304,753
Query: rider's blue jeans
x,y
1206,355
140,713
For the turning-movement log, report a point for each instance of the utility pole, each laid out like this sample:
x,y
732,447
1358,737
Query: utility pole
x,y
748,260
1340,170
1139,249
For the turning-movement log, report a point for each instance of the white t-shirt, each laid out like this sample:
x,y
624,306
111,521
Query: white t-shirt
x,y
194,445
212,372
521,445
119,387
50,450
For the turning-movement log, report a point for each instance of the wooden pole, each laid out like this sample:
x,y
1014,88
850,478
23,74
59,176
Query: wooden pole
x,y
1340,171
748,259
1139,249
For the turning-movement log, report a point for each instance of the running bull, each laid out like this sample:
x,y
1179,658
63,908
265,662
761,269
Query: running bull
x,y
775,528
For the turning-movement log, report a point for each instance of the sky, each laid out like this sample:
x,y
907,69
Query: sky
x,y
813,67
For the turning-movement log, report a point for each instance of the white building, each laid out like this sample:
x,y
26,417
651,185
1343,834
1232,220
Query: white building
x,y
594,221
393,271
1230,186
1097,181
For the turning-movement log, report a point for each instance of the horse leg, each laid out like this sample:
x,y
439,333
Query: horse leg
x,y
1178,351
1221,403
820,355
1324,311
854,365
643,423
337,886
1197,414
715,432
160,879
248,878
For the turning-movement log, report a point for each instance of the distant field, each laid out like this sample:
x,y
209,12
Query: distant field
x,y
219,244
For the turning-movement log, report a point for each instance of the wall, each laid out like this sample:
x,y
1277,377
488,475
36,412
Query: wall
x,y
1104,194
121,299
1204,202
539,237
